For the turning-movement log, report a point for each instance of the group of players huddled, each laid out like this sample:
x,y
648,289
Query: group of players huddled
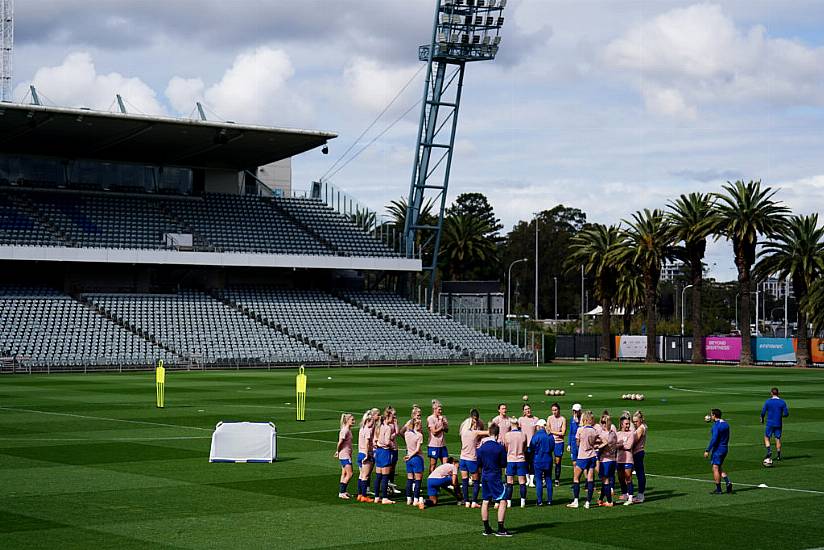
x,y
528,450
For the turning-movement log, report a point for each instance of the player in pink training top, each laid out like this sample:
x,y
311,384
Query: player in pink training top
x,y
586,438
626,440
638,453
366,457
414,463
503,423
383,455
556,427
344,453
438,426
441,477
515,443
471,434
528,422
607,450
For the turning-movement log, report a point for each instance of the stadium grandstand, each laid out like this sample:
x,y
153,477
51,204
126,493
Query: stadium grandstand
x,y
125,239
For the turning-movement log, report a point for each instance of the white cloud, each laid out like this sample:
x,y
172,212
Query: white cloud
x,y
692,56
254,89
372,86
76,83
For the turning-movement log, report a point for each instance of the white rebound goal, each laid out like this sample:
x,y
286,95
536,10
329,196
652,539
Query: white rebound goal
x,y
244,442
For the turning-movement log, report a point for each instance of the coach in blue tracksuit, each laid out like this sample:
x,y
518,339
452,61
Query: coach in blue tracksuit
x,y
775,409
542,445
717,451
491,462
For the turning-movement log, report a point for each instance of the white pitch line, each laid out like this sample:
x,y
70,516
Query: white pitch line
x,y
143,422
103,438
714,392
742,484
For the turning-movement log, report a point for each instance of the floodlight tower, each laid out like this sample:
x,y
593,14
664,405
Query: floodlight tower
x,y
463,31
6,43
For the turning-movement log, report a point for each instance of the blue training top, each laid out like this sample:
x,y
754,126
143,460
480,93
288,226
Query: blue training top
x,y
775,409
720,436
542,446
491,459
573,429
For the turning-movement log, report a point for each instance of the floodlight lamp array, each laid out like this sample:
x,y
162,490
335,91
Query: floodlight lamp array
x,y
466,30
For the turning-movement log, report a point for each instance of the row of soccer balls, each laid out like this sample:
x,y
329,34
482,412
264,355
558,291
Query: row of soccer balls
x,y
633,396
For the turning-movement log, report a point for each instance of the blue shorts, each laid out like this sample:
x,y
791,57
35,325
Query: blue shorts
x,y
516,468
414,465
434,484
607,469
586,463
437,452
718,457
393,456
345,462
363,458
559,449
625,466
470,466
383,458
492,489
773,431
573,453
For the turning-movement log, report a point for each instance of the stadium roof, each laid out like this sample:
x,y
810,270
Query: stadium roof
x,y
83,133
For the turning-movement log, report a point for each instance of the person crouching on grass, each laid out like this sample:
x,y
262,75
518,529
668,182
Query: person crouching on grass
x,y
344,453
491,461
441,478
717,451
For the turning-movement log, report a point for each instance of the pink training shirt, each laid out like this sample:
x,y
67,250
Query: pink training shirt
x,y
610,439
640,439
626,440
437,423
515,443
365,439
386,433
346,448
444,470
414,440
586,436
393,443
556,426
528,424
469,445
504,425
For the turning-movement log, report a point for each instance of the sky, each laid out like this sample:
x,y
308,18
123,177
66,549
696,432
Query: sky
x,y
609,106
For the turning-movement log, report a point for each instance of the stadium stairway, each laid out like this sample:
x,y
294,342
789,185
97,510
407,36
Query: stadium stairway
x,y
271,324
137,331
24,204
300,223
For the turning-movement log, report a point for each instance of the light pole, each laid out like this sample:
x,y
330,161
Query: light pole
x,y
786,298
683,291
508,285
536,265
555,279
583,312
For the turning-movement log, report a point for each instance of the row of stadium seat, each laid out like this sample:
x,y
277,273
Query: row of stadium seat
x,y
220,222
41,327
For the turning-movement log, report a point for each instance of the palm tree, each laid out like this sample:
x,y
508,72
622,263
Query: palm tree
x,y
630,295
692,220
465,244
745,211
647,245
813,306
593,248
796,252
397,210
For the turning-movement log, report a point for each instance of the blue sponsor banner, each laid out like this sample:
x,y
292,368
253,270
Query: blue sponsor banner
x,y
775,350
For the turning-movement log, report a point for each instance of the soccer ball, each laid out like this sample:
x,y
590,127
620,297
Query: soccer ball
x,y
768,462
562,392
525,398
547,392
640,397
707,418
624,396
633,396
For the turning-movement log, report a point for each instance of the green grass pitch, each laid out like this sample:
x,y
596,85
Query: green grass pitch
x,y
87,461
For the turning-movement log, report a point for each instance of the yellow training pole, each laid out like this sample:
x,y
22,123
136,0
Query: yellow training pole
x,y
300,384
160,380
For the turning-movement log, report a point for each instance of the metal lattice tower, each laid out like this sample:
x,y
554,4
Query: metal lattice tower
x,y
6,43
464,31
